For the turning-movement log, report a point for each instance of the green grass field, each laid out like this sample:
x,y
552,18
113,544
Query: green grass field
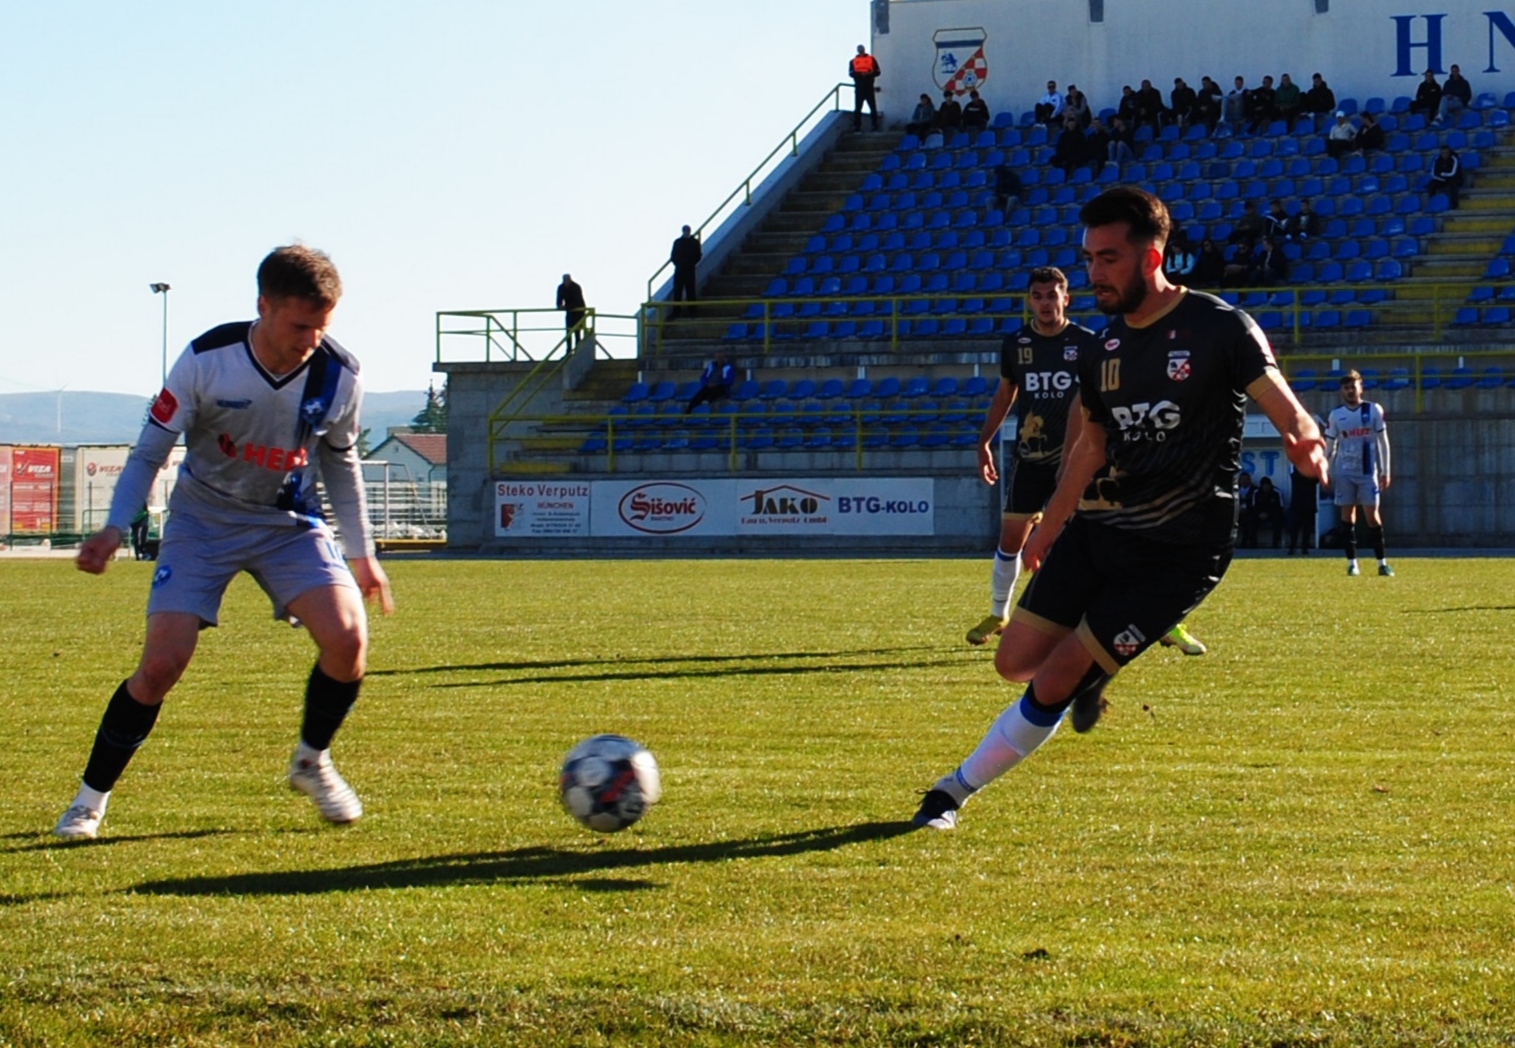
x,y
1302,838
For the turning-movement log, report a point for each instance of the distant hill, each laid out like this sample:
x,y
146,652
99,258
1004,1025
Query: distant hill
x,y
116,418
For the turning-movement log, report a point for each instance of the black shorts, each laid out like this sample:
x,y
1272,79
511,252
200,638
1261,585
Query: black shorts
x,y
1031,485
1120,590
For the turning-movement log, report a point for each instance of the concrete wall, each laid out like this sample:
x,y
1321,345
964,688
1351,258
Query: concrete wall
x,y
1453,478
1361,47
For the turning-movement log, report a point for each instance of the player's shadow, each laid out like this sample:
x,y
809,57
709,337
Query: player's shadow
x,y
688,667
523,865
53,843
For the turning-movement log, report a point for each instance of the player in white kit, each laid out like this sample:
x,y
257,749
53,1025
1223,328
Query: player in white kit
x,y
1358,439
265,407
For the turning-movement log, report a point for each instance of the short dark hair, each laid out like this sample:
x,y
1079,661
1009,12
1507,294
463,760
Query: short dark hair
x,y
1143,212
1048,275
297,271
1350,376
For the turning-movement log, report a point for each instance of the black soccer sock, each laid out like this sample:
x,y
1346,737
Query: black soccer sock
x,y
326,704
124,727
1052,709
1375,536
1349,540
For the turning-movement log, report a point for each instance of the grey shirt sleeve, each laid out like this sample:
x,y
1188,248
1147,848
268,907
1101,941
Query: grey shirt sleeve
x,y
136,479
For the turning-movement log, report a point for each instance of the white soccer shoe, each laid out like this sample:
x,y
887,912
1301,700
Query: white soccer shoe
x,y
79,823
318,779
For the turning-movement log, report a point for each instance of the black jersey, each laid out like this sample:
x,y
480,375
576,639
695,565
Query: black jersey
x,y
1171,397
1044,370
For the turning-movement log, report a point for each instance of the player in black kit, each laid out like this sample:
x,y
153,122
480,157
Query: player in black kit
x,y
1039,379
1152,478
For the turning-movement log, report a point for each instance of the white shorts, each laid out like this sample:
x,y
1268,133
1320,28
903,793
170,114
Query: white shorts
x,y
198,560
1355,489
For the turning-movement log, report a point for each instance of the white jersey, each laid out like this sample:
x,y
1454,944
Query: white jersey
x,y
255,443
1359,440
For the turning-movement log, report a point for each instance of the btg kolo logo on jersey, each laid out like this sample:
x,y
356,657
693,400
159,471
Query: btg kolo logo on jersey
x,y
1147,421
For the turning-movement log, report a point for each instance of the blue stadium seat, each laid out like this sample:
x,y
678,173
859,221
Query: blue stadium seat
x,y
1396,379
1302,379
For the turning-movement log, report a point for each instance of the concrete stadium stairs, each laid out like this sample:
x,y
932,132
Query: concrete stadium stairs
x,y
795,219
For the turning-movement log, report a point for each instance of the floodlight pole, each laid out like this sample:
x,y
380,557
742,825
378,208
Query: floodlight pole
x,y
160,288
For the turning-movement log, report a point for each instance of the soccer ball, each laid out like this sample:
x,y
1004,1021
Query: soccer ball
x,y
608,782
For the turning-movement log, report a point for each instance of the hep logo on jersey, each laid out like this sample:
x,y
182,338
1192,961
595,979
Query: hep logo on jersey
x,y
227,445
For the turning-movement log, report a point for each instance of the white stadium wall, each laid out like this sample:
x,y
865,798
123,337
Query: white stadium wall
x,y
1363,48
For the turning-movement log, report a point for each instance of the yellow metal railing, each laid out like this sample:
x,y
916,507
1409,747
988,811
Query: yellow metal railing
x,y
1287,314
741,196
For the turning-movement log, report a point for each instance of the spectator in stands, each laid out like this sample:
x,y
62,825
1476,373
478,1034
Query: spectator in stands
x,y
1342,138
1098,144
1119,150
685,256
1236,106
1072,149
1007,186
949,115
1304,223
1268,265
1276,222
1246,529
1288,98
1209,264
571,302
1076,105
1207,103
1181,102
1262,106
1149,106
1446,175
1320,98
1127,108
1249,227
1456,95
1304,500
1267,508
1427,96
715,383
1050,107
1370,135
864,70
975,113
923,119
1178,260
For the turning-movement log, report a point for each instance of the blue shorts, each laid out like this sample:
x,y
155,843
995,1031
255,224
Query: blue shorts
x,y
198,560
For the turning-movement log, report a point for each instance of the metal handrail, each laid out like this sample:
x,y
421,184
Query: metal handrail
x,y
509,335
790,145
1296,317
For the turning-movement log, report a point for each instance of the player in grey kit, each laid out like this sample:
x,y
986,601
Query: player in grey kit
x,y
265,406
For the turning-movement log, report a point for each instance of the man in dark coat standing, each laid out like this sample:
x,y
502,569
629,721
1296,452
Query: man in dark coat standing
x,y
685,256
571,302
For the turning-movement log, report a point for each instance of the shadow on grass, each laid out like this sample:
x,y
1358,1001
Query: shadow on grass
x,y
51,843
524,865
1455,611
673,667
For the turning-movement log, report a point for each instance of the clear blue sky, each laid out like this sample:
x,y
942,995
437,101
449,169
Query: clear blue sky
x,y
448,154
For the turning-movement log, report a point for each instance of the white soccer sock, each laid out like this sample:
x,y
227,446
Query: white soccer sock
x,y
91,798
306,752
1017,731
1002,583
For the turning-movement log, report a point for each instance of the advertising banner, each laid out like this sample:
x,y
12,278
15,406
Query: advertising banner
x,y
541,509
96,470
34,490
780,506
5,488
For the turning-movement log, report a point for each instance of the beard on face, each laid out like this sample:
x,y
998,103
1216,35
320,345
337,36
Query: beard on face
x,y
1129,299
